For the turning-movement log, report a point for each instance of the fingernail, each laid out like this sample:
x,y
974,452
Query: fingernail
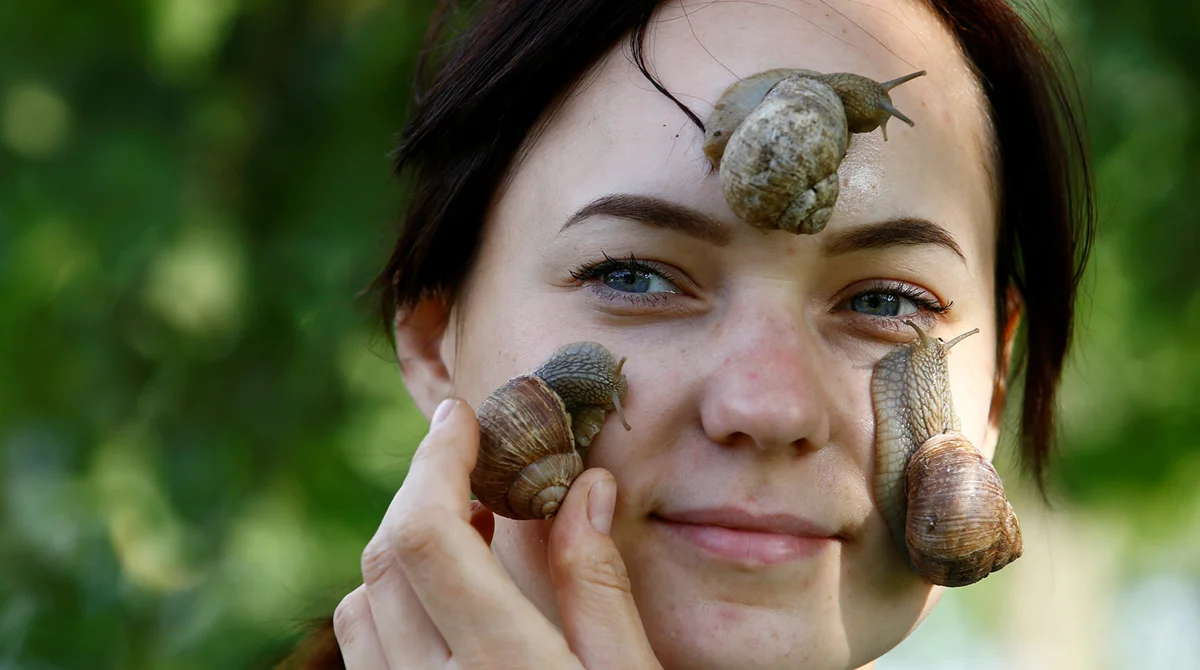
x,y
602,498
443,410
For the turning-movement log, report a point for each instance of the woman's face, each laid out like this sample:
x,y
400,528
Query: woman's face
x,y
749,353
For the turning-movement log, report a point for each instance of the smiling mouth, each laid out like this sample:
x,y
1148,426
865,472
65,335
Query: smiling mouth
x,y
738,537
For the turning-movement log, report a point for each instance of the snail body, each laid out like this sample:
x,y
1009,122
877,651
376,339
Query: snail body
x,y
529,429
943,501
778,138
589,381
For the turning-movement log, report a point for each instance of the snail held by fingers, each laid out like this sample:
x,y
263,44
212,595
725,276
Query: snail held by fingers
x,y
530,427
942,499
778,137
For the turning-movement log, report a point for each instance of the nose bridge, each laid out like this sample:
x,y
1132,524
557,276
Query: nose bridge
x,y
767,390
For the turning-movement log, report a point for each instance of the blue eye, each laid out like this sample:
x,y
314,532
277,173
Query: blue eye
x,y
629,276
882,304
636,280
895,299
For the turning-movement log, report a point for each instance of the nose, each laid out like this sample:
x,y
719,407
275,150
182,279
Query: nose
x,y
766,389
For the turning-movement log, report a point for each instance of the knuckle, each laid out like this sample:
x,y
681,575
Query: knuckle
x,y
411,539
349,616
378,560
416,535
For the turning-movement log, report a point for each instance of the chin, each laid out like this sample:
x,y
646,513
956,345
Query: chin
x,y
723,636
826,611
718,617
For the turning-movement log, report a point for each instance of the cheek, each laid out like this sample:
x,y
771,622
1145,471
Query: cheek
x,y
502,327
972,380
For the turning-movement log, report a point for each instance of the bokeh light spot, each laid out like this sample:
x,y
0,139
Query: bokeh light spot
x,y
35,121
198,283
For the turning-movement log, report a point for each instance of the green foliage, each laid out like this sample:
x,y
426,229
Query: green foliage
x,y
199,423
200,426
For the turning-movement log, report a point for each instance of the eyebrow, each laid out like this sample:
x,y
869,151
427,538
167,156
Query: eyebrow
x,y
901,231
660,213
655,212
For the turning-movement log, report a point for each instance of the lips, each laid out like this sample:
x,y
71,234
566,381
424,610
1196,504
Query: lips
x,y
747,538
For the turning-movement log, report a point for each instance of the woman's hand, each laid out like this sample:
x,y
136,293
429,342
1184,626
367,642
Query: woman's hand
x,y
434,596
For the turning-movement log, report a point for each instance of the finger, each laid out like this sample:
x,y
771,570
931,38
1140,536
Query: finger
x,y
408,638
464,590
599,617
356,635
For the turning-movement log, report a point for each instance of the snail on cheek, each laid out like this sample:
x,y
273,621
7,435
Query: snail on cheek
x,y
534,431
943,501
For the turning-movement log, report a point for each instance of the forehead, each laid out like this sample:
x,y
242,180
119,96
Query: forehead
x,y
615,133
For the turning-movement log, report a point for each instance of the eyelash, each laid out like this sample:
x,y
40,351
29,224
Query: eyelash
x,y
923,300
589,271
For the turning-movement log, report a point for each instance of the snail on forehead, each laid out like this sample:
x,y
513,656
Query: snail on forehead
x,y
778,137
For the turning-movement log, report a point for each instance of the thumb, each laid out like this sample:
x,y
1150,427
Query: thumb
x,y
599,618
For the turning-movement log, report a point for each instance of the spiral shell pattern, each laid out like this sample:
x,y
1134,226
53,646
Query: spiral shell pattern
x,y
959,527
527,459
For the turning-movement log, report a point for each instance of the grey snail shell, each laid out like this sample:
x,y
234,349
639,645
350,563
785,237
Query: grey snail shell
x,y
778,138
943,501
529,429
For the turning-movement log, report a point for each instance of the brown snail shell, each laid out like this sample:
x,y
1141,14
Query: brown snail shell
x,y
528,430
959,526
778,138
943,501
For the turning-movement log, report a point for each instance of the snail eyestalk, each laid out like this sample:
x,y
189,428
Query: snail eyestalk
x,y
924,339
893,83
960,338
887,107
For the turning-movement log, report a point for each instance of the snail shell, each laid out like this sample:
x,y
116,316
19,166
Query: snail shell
x,y
527,458
778,138
529,428
960,527
943,501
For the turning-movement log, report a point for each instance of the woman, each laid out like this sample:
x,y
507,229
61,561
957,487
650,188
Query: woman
x,y
560,194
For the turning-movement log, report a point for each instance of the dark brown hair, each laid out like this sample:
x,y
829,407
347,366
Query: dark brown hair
x,y
480,93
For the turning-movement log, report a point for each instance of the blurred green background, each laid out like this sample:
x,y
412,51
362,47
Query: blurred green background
x,y
200,425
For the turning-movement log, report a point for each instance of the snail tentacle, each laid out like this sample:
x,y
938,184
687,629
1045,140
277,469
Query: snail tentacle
x,y
893,83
